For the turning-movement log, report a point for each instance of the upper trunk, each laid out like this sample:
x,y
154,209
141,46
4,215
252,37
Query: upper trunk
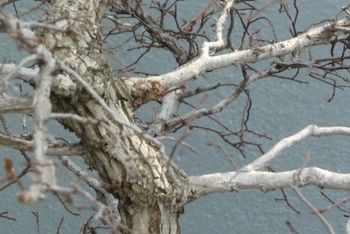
x,y
131,167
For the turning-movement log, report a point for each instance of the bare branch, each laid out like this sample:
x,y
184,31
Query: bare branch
x,y
219,42
267,181
249,177
27,145
314,36
308,203
91,181
311,130
236,92
138,187
16,104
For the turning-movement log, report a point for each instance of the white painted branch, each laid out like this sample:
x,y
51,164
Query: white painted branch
x,y
248,177
266,181
311,130
314,36
219,28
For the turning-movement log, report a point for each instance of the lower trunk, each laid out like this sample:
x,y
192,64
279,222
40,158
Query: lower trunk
x,y
158,219
130,166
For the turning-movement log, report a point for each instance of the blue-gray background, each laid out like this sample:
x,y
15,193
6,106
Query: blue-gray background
x,y
280,108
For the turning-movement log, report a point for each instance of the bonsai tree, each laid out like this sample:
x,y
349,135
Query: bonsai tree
x,y
75,73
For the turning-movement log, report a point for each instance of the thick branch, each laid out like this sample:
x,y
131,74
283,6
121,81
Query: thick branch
x,y
314,36
266,181
248,177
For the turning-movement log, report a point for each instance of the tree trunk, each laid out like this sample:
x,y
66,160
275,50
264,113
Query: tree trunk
x,y
131,167
160,218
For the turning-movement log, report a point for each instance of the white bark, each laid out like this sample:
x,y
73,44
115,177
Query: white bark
x,y
267,181
206,62
75,85
310,130
249,177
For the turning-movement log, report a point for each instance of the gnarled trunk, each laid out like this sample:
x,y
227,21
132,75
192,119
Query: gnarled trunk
x,y
130,166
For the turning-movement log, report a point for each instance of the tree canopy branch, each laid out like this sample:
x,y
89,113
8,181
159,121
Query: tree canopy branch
x,y
249,177
205,62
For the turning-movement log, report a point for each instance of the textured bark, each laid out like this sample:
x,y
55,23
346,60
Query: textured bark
x,y
131,167
72,77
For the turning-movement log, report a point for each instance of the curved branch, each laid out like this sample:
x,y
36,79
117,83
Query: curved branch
x,y
311,130
249,178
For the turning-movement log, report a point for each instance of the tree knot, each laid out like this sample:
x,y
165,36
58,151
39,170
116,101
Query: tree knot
x,y
146,91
